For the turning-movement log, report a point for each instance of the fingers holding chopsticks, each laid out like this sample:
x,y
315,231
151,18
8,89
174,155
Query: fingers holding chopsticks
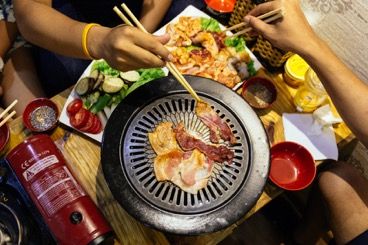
x,y
260,18
263,14
291,32
265,8
127,48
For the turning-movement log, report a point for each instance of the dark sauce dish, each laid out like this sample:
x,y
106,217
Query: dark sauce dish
x,y
41,115
259,92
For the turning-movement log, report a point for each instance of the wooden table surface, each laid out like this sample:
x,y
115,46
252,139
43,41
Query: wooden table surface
x,y
83,157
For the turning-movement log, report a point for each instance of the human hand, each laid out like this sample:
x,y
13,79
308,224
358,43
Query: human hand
x,y
127,48
291,33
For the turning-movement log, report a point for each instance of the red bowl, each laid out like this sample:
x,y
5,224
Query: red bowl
x,y
257,81
292,166
4,138
33,106
222,6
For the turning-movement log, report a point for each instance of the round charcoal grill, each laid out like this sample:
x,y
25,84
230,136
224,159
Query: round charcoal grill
x,y
139,156
127,158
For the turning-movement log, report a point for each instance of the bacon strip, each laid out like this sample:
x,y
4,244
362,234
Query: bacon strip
x,y
187,142
218,128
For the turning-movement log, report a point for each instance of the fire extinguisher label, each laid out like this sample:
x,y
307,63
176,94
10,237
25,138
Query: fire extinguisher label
x,y
55,189
39,166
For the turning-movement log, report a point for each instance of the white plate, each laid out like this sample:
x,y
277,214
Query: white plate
x,y
189,11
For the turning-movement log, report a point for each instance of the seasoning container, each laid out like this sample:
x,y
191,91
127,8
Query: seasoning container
x,y
40,115
259,92
311,95
295,70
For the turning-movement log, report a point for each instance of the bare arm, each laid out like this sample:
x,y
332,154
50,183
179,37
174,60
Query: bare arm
x,y
8,32
152,13
122,47
348,93
46,27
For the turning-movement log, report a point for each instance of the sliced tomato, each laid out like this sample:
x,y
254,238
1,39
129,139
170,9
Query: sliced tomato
x,y
74,106
97,126
87,127
80,119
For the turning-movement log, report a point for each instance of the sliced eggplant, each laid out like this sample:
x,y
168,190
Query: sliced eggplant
x,y
94,74
131,76
112,84
84,85
99,80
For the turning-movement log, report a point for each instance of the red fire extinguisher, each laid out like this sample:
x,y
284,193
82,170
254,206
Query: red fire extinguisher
x,y
68,211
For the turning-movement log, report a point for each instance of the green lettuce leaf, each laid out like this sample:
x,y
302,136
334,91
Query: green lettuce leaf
x,y
237,42
209,24
251,70
192,47
147,75
103,67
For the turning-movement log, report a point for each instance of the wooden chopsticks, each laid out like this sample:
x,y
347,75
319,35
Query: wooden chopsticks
x,y
172,68
267,17
6,111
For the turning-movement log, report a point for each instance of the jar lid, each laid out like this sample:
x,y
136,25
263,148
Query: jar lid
x,y
296,67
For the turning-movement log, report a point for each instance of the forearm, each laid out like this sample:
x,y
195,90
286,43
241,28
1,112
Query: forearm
x,y
8,32
124,48
348,93
48,28
152,13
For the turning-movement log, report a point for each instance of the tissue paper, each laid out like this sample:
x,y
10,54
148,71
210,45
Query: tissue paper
x,y
299,128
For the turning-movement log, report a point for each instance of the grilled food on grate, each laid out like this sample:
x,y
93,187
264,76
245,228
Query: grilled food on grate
x,y
189,169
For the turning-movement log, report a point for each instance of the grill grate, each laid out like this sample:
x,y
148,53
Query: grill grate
x,y
138,156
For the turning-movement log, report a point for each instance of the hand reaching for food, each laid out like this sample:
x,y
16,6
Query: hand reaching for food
x,y
126,48
291,33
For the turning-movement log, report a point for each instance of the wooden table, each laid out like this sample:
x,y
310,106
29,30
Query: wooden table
x,y
83,156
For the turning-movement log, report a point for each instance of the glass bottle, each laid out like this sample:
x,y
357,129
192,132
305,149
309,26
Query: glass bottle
x,y
310,95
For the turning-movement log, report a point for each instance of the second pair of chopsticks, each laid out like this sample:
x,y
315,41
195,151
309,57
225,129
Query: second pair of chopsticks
x,y
172,68
267,17
6,111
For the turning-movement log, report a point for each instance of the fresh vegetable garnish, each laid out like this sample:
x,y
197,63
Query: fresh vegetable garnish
x,y
112,85
131,76
101,91
237,42
80,119
83,119
74,107
252,71
146,75
84,85
192,47
103,67
101,103
209,24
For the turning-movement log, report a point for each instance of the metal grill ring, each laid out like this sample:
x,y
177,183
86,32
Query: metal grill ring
x,y
127,158
139,156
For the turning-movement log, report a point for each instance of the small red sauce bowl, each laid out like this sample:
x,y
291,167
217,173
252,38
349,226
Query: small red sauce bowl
x,y
292,166
254,81
221,6
32,106
4,138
